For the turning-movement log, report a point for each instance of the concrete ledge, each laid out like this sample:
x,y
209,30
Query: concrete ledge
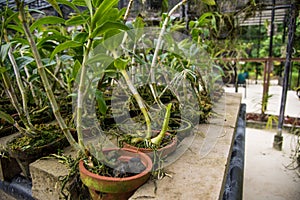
x,y
45,174
200,173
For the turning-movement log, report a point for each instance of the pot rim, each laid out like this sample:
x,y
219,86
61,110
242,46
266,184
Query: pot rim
x,y
142,155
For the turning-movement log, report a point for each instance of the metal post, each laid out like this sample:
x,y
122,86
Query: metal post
x,y
278,139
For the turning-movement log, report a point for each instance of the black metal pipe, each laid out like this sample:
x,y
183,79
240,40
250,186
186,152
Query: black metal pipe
x,y
19,188
235,176
289,51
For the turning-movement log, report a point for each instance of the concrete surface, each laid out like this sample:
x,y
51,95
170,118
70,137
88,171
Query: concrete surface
x,y
268,173
200,173
253,99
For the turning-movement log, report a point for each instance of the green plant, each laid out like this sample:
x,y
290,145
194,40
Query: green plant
x,y
271,119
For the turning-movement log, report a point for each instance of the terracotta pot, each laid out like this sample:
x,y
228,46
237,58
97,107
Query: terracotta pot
x,y
161,152
111,188
38,152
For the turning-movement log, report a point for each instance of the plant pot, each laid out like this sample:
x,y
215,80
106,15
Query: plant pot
x,y
25,156
111,188
161,152
38,152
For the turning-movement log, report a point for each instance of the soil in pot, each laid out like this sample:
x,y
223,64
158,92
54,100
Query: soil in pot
x,y
27,149
118,182
168,145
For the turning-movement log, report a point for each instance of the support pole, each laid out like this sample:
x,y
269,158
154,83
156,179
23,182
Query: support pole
x,y
278,139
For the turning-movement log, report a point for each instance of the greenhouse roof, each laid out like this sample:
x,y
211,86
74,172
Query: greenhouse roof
x,y
263,12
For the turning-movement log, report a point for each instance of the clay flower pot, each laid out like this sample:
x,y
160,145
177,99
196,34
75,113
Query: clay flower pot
x,y
161,152
111,188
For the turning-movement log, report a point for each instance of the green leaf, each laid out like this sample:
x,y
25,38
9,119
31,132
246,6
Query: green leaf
x,y
79,2
96,3
15,28
7,117
13,16
101,102
81,37
33,77
77,66
24,60
120,64
55,37
89,5
64,46
108,26
100,58
209,2
4,51
46,20
2,70
76,21
55,6
102,9
70,4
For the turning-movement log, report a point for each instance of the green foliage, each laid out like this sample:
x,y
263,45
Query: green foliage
x,y
209,2
46,20
6,117
4,51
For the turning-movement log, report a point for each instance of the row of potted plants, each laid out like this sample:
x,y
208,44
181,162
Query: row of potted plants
x,y
98,50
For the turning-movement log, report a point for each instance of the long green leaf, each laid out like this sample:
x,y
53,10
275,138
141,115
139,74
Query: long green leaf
x,y
89,5
54,37
102,9
96,3
6,117
55,6
4,51
76,21
70,4
46,20
79,2
24,60
63,46
2,70
101,102
108,26
15,28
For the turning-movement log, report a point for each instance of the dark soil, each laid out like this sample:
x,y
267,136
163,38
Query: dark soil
x,y
121,168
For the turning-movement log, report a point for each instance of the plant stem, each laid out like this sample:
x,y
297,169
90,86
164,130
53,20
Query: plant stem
x,y
139,100
42,73
19,83
128,10
81,94
157,140
157,48
13,98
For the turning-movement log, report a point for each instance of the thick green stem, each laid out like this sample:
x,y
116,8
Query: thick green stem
x,y
44,78
157,140
139,100
81,94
